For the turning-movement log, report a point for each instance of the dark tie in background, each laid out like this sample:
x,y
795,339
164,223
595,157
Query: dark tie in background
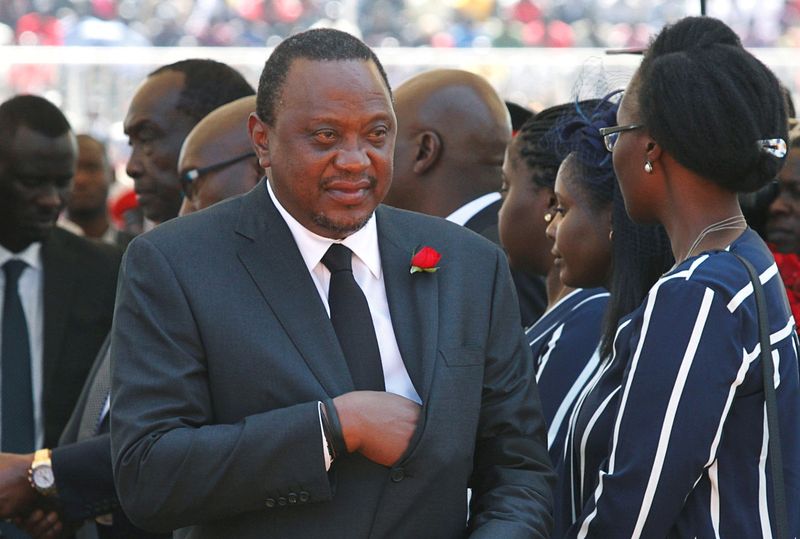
x,y
17,420
18,435
352,321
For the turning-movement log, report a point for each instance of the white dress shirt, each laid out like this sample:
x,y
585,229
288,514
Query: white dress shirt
x,y
31,292
368,274
471,208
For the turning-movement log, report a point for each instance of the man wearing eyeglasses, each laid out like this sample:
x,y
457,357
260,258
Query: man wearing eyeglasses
x,y
217,160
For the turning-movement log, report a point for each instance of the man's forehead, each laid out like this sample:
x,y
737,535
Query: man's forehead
x,y
312,86
155,100
29,143
301,70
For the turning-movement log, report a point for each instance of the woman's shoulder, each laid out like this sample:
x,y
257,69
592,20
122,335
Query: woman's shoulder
x,y
578,304
722,272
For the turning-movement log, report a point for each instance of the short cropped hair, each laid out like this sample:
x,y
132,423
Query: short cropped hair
x,y
323,44
707,101
207,85
34,112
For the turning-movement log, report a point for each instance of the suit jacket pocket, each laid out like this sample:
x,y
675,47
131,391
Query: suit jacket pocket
x,y
446,432
463,356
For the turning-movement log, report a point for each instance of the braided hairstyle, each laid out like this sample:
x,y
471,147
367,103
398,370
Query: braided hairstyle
x,y
536,144
640,253
707,101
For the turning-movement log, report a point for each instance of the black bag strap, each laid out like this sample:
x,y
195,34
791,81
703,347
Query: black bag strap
x,y
768,369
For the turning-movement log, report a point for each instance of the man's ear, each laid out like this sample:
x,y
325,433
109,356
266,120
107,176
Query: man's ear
x,y
429,147
259,138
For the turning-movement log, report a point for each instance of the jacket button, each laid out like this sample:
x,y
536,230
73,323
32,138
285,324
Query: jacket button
x,y
281,501
292,497
397,475
304,496
270,503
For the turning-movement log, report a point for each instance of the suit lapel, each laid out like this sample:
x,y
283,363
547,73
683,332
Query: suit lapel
x,y
413,301
60,275
273,260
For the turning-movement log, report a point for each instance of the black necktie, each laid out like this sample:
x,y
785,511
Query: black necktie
x,y
352,322
18,435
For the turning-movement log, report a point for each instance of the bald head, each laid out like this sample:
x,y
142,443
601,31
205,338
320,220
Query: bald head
x,y
221,141
452,133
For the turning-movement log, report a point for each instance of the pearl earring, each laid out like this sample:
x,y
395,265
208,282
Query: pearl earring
x,y
648,167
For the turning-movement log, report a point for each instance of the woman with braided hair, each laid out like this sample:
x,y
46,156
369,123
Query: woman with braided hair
x,y
595,245
562,198
564,339
687,452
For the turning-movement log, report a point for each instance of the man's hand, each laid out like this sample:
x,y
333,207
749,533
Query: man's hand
x,y
378,425
16,492
41,524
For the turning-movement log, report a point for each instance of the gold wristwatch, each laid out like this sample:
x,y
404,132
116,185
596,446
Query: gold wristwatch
x,y
41,474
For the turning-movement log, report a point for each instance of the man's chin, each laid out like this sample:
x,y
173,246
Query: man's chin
x,y
36,233
340,228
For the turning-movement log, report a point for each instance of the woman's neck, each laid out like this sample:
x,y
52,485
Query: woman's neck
x,y
702,216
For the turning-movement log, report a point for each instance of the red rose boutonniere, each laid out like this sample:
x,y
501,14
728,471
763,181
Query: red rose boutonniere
x,y
789,269
425,260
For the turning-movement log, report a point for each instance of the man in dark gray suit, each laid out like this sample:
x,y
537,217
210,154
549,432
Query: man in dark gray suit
x,y
282,367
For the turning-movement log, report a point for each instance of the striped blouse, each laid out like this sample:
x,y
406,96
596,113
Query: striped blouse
x,y
669,438
564,342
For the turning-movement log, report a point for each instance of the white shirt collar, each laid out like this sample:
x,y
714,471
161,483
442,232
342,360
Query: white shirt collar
x,y
470,209
363,243
31,255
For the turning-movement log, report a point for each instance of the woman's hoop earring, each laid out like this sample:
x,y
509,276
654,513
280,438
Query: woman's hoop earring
x,y
648,167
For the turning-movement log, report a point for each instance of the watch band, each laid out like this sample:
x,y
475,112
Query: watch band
x,y
42,458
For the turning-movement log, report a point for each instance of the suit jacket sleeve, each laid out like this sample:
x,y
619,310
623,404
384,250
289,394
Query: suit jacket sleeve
x,y
164,434
512,477
83,478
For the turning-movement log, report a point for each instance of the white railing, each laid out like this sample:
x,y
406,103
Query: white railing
x,y
95,83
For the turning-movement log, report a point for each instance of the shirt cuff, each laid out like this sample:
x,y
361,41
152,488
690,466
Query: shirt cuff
x,y
326,450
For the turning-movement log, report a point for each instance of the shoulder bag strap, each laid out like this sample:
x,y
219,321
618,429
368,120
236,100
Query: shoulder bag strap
x,y
768,369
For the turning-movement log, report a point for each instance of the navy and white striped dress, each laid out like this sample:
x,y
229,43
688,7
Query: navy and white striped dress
x,y
564,342
669,439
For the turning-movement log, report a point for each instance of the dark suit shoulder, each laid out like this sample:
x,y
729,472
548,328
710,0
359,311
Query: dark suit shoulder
x,y
435,228
91,254
196,228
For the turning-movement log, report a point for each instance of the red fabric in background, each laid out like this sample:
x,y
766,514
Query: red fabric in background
x,y
789,268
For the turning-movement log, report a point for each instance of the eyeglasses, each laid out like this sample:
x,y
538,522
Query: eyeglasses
x,y
190,176
611,134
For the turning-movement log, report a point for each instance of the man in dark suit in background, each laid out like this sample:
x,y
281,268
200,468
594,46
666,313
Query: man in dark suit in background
x,y
300,379
164,108
452,134
58,294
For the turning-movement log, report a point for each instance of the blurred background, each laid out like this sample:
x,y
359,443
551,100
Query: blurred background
x,y
87,56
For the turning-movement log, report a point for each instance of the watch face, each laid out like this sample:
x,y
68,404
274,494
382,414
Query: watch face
x,y
43,477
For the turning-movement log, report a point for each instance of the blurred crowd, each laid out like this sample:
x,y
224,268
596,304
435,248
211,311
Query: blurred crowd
x,y
383,23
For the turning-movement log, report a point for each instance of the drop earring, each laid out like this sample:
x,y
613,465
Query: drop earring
x,y
648,167
610,235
